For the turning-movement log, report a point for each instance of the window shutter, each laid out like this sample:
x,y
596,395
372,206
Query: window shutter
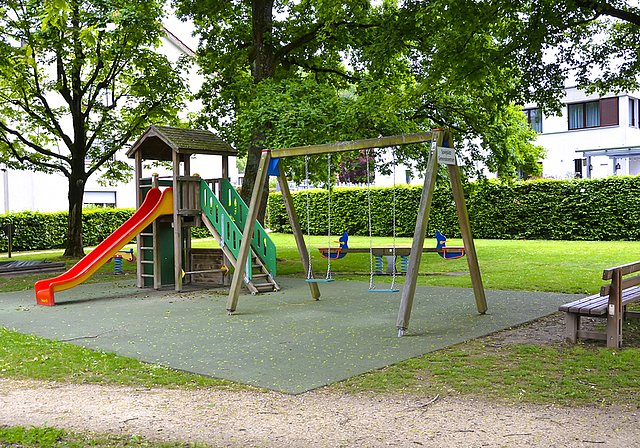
x,y
609,111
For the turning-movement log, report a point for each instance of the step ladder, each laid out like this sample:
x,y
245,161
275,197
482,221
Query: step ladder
x,y
257,278
143,250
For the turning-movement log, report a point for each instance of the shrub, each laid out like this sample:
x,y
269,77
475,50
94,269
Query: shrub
x,y
42,231
580,209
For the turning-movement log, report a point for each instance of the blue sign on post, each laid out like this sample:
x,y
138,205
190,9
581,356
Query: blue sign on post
x,y
273,167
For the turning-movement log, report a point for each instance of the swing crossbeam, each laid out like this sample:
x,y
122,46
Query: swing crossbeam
x,y
355,145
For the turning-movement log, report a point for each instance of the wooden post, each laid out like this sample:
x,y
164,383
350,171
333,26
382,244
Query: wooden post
x,y
295,228
614,311
409,289
157,270
467,238
225,167
177,223
225,175
187,188
138,183
245,245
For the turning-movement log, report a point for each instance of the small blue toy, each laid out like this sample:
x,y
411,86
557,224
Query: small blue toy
x,y
343,240
447,254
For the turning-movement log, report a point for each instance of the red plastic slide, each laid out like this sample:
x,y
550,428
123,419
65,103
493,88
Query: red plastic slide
x,y
155,204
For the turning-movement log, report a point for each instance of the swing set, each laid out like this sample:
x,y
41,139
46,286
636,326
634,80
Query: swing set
x,y
441,152
341,251
376,254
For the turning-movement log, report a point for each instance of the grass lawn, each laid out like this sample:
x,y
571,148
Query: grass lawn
x,y
573,267
587,373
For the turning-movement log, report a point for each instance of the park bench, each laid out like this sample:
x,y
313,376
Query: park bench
x,y
611,303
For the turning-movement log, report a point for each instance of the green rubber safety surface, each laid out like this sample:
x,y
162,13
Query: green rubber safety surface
x,y
283,341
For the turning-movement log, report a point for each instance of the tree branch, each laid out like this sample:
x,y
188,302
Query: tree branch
x,y
99,65
24,105
321,69
297,43
609,10
39,149
22,159
312,34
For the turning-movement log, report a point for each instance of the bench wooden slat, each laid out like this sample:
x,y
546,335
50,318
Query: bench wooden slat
x,y
627,269
596,305
582,304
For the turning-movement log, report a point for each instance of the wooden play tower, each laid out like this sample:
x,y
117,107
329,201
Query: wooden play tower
x,y
165,256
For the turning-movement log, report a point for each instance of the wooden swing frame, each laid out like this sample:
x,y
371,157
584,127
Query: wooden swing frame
x,y
439,139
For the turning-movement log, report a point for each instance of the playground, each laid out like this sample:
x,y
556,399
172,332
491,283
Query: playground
x,y
222,417
281,341
293,334
125,319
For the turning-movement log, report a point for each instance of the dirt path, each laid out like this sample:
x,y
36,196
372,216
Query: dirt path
x,y
244,419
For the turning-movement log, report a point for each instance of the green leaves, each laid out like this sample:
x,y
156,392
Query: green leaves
x,y
42,231
539,209
78,82
55,13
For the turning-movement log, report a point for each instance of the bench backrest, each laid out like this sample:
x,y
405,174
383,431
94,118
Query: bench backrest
x,y
626,269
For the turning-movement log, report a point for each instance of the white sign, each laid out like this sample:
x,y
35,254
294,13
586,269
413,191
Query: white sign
x,y
446,156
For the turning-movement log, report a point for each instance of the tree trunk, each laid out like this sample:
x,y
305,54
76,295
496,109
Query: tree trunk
x,y
262,59
250,174
74,246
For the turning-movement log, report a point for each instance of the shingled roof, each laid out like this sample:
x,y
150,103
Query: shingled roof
x,y
159,142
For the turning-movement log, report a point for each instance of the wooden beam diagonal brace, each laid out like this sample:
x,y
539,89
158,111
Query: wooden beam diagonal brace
x,y
247,234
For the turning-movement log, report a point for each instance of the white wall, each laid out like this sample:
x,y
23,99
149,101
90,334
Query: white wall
x,y
387,180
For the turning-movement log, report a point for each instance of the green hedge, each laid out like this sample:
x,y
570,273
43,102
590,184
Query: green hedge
x,y
598,209
588,209
42,231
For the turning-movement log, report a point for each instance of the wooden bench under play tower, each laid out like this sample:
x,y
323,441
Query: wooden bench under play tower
x,y
165,256
610,303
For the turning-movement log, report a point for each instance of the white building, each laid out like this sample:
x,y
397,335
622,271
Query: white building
x,y
35,191
594,136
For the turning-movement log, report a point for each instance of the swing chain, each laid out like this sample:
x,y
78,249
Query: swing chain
x,y
328,276
371,285
306,181
393,280
394,270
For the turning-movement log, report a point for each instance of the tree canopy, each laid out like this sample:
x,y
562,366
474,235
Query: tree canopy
x,y
289,73
78,81
283,73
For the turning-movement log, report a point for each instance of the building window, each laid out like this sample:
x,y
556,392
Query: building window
x,y
100,199
534,118
633,112
593,114
578,168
